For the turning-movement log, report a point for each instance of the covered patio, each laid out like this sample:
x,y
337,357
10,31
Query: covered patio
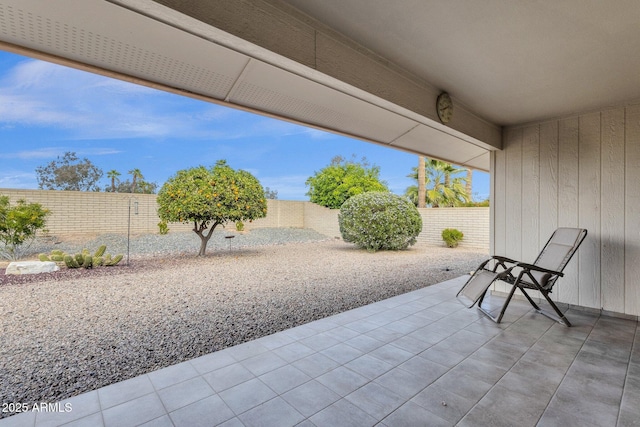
x,y
420,358
546,97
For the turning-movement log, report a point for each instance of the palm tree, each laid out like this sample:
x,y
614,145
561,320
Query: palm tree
x,y
422,183
137,175
443,188
113,174
469,181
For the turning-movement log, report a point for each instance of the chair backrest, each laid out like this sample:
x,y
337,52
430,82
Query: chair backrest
x,y
564,242
555,255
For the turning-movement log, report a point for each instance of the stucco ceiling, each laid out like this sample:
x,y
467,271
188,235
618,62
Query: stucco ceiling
x,y
511,61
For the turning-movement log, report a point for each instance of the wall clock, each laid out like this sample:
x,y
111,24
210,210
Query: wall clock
x,y
444,107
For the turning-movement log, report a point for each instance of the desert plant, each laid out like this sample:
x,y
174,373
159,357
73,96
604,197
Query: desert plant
x,y
379,220
452,237
239,226
163,227
56,256
84,259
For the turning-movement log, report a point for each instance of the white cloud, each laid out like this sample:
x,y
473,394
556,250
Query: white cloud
x,y
17,180
42,153
53,152
89,106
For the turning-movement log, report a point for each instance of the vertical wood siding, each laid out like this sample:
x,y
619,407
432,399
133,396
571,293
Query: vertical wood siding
x,y
632,211
576,172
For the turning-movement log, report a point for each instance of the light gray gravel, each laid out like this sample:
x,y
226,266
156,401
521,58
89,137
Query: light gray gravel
x,y
63,334
180,243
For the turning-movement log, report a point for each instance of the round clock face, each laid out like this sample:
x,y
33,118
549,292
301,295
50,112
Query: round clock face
x,y
444,106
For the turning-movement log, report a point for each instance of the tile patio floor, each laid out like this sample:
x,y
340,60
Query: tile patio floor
x,y
419,359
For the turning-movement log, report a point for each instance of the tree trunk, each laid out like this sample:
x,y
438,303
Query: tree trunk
x,y
422,183
204,238
469,187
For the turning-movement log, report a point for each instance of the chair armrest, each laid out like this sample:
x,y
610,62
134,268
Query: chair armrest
x,y
504,259
541,269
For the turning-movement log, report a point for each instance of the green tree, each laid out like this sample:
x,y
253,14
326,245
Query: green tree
x,y
143,187
19,224
136,175
443,188
69,173
270,194
342,179
211,197
113,175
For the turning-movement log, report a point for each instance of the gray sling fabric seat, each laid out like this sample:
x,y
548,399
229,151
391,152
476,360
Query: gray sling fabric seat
x,y
539,276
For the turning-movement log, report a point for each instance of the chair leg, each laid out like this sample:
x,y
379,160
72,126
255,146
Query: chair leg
x,y
529,299
498,318
560,318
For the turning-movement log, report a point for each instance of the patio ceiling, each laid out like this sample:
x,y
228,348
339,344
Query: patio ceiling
x,y
504,63
512,62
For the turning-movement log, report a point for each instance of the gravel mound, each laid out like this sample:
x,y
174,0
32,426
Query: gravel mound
x,y
77,330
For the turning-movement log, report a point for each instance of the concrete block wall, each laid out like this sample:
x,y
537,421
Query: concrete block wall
x,y
280,213
473,222
321,219
74,212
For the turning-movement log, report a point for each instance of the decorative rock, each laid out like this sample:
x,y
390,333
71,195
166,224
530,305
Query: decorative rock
x,y
31,267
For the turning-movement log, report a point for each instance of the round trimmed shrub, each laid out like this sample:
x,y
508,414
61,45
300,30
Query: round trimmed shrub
x,y
379,220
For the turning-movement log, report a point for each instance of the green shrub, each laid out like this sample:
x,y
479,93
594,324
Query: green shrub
x,y
239,226
18,225
163,227
452,237
379,220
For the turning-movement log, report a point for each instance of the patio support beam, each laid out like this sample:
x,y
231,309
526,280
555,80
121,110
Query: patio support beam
x,y
292,35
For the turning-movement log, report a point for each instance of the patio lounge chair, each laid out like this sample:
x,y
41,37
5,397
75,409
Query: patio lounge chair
x,y
539,276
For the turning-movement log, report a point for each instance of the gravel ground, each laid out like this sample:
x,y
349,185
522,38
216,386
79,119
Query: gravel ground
x,y
69,332
185,243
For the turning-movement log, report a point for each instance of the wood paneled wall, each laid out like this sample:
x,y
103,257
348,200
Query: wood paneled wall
x,y
575,172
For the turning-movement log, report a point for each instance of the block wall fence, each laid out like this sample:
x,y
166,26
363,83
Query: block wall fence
x,y
74,212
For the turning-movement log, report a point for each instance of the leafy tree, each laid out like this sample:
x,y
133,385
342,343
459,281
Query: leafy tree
x,y
342,179
113,175
270,194
443,188
144,187
19,224
211,197
69,173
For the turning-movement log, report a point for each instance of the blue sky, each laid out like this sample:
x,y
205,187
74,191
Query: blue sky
x,y
47,110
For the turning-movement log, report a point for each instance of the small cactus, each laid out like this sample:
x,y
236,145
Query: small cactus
x,y
110,262
71,262
88,261
101,250
83,259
